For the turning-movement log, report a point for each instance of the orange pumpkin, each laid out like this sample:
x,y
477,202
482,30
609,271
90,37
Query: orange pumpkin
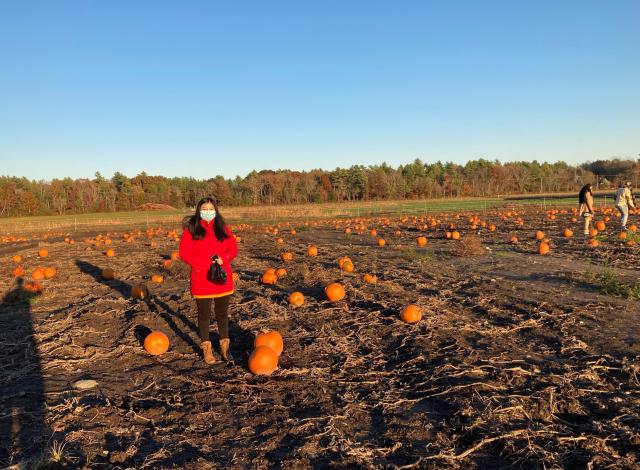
x,y
296,299
622,235
263,361
269,277
139,292
49,272
543,248
411,314
370,278
600,225
37,274
593,232
33,286
43,252
348,266
334,292
312,251
567,233
156,343
167,263
539,234
16,258
514,239
108,274
157,278
281,272
175,255
17,271
287,256
593,242
421,241
110,253
272,339
381,242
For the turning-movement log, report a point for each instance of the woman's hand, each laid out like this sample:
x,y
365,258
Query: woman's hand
x,y
219,261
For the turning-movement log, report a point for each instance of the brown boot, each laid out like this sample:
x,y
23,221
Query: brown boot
x,y
209,358
224,349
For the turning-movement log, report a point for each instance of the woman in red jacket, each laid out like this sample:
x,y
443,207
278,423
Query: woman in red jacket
x,y
205,235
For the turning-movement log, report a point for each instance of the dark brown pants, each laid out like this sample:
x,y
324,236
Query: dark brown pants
x,y
221,307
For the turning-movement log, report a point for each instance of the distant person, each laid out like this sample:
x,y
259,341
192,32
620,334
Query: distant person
x,y
205,235
585,201
624,200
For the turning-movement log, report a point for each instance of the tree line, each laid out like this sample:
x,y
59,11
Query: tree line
x,y
415,180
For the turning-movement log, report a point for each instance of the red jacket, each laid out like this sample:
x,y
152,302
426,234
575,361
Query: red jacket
x,y
197,254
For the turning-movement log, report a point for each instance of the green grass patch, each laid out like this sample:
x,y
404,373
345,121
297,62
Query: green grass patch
x,y
608,282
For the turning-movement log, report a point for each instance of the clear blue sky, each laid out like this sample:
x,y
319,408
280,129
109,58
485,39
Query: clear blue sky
x,y
199,88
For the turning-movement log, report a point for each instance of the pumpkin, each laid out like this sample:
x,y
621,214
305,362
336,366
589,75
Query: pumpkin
x,y
381,242
33,286
421,241
312,250
567,233
272,339
370,278
49,272
539,234
157,278
279,241
514,239
622,235
411,314
633,228
348,266
543,248
110,253
296,299
43,252
156,343
593,232
455,235
263,361
17,271
342,260
175,255
287,256
37,274
269,277
334,292
139,292
600,225
593,242
167,263
108,274
281,272
16,258
373,232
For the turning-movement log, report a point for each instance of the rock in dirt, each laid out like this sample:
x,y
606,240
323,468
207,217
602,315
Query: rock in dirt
x,y
85,384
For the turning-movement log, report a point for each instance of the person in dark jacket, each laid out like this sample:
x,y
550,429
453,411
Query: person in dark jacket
x,y
205,235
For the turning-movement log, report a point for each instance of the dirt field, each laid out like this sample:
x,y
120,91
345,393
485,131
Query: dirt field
x,y
520,361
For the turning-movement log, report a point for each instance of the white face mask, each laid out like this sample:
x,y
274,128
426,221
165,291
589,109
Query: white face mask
x,y
207,214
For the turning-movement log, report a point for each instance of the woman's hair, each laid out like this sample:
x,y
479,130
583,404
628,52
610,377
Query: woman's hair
x,y
192,222
582,197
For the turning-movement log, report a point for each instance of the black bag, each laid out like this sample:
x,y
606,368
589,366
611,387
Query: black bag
x,y
216,273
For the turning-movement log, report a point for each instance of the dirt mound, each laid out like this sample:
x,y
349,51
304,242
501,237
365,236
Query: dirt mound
x,y
152,206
